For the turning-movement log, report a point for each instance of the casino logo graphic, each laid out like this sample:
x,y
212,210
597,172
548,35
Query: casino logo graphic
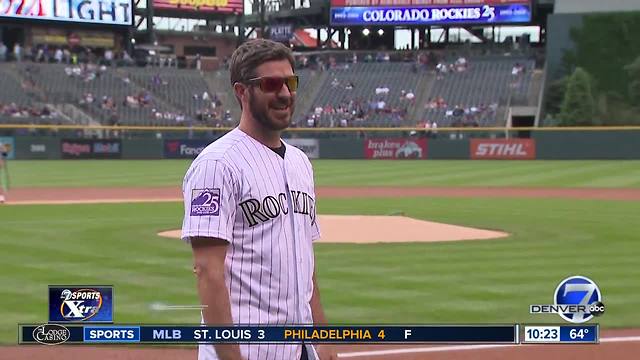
x,y
80,304
51,334
581,291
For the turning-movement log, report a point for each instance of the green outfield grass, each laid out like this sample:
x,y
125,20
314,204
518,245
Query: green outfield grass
x,y
119,173
485,281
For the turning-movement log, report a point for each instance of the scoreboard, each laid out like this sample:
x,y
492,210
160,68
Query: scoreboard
x,y
436,334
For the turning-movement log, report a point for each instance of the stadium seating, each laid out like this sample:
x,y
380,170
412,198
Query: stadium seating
x,y
488,80
365,78
20,102
113,95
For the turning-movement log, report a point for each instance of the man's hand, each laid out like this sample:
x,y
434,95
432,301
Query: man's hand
x,y
326,352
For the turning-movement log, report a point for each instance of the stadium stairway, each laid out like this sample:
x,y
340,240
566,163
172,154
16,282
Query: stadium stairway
x,y
12,90
310,84
161,101
218,83
425,86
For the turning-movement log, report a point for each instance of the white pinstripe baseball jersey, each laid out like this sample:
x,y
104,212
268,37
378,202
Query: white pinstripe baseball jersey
x,y
241,191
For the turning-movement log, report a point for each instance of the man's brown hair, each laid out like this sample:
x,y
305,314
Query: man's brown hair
x,y
253,53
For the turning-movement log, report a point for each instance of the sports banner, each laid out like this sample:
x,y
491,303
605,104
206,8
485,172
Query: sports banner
x,y
395,148
90,149
209,6
106,12
503,149
311,147
184,149
418,12
417,3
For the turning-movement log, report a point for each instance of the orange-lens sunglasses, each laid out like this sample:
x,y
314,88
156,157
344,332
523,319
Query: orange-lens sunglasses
x,y
271,84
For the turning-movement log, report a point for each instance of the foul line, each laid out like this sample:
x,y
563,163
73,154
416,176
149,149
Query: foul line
x,y
461,348
91,201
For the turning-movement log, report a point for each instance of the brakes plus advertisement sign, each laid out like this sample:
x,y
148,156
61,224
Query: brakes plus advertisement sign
x,y
395,149
503,149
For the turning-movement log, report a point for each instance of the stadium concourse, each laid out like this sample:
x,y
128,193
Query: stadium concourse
x,y
439,88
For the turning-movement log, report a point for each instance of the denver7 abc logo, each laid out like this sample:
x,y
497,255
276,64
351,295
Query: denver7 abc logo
x,y
80,304
577,299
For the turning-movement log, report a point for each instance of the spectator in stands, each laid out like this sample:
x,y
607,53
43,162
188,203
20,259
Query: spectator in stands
x,y
39,54
198,62
17,52
354,58
46,54
126,58
66,55
3,52
311,121
58,55
349,86
411,97
458,112
517,70
493,108
88,98
131,101
382,90
441,70
144,98
156,80
461,64
227,116
108,57
335,82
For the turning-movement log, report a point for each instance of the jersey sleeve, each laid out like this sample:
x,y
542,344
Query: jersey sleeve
x,y
209,191
315,227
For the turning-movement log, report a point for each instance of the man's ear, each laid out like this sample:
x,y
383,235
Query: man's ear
x,y
239,90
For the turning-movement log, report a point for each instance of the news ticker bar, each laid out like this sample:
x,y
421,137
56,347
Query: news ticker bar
x,y
163,334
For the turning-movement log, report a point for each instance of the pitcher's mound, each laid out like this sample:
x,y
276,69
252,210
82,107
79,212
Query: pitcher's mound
x,y
363,229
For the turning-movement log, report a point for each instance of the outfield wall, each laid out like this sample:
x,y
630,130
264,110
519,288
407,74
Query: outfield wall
x,y
542,145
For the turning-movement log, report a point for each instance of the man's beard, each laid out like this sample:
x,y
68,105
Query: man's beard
x,y
262,114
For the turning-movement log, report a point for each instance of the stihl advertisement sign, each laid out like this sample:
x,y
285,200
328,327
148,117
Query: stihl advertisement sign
x,y
503,149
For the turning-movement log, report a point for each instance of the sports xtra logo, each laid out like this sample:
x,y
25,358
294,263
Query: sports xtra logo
x,y
80,304
577,299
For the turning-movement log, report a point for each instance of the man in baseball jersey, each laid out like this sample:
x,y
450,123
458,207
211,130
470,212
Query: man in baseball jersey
x,y
250,214
4,172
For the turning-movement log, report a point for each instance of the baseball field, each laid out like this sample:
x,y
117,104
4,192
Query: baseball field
x,y
96,222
